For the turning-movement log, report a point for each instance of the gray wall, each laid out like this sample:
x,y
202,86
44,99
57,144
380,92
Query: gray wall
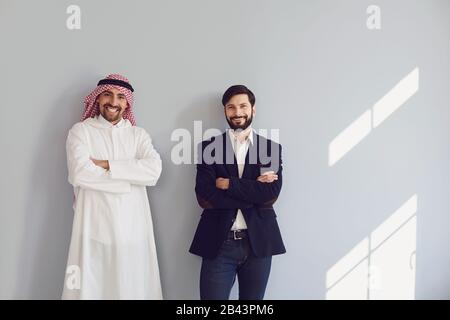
x,y
315,68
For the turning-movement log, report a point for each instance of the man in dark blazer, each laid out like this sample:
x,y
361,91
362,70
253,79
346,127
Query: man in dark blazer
x,y
239,178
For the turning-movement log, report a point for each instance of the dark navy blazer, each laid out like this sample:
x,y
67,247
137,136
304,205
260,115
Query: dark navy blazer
x,y
254,198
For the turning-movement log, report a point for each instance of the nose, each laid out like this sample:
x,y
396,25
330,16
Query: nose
x,y
114,101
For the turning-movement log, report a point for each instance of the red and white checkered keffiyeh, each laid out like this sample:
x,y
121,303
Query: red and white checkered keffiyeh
x,y
92,110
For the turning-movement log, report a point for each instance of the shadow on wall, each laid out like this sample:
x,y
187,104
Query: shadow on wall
x,y
382,265
174,205
49,213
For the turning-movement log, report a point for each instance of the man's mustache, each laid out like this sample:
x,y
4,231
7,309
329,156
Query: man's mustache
x,y
111,106
238,117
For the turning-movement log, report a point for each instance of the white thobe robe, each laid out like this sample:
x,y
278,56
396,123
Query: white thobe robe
x,y
112,251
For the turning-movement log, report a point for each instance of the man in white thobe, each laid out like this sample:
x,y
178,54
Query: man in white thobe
x,y
110,162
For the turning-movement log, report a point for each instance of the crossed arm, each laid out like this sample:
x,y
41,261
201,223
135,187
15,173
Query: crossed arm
x,y
235,193
115,176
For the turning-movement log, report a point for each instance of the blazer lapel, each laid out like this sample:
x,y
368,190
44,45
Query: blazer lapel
x,y
251,159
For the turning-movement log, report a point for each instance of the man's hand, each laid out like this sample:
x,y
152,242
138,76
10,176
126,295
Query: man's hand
x,y
267,177
222,183
101,163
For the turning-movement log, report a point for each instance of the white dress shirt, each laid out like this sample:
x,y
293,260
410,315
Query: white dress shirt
x,y
240,151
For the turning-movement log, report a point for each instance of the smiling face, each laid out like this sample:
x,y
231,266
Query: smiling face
x,y
112,104
239,112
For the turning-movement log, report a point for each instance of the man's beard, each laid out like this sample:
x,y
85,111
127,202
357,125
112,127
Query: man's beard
x,y
111,117
243,126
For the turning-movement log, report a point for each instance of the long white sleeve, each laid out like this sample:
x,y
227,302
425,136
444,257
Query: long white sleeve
x,y
145,169
83,172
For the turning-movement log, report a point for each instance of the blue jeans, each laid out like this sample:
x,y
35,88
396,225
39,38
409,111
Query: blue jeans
x,y
235,257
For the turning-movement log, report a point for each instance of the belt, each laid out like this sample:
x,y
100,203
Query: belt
x,y
237,234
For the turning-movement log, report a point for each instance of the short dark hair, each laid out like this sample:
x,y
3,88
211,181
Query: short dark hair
x,y
238,89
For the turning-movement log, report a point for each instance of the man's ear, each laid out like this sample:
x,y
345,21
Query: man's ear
x,y
254,109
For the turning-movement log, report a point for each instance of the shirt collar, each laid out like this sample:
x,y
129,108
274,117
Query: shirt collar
x,y
250,136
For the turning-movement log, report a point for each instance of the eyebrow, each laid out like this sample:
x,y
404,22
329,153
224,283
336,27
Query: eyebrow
x,y
232,105
119,94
